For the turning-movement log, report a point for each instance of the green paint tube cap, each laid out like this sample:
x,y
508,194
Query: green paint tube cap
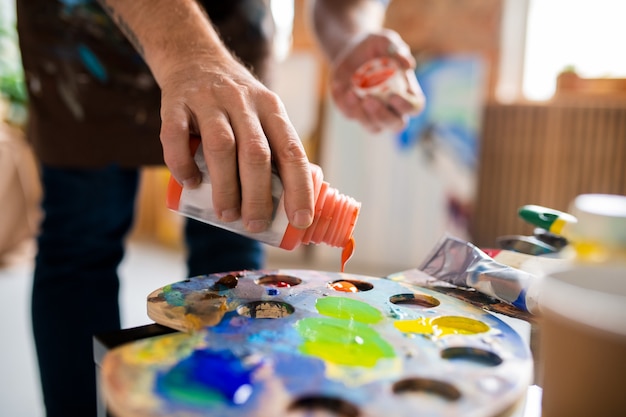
x,y
543,217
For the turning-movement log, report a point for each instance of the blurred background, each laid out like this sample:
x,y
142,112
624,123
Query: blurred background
x,y
526,104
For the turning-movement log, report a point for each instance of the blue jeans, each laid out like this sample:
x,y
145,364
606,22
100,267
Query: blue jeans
x,y
88,214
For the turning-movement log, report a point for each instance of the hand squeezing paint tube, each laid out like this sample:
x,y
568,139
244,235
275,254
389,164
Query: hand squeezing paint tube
x,y
461,263
382,77
333,224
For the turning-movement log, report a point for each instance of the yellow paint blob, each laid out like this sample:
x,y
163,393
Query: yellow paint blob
x,y
193,322
442,326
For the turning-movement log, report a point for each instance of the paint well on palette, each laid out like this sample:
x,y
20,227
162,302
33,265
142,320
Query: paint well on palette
x,y
344,286
279,281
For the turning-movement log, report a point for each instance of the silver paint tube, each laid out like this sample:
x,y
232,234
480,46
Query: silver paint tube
x,y
462,264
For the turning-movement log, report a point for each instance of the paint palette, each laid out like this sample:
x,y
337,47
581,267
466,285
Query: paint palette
x,y
308,343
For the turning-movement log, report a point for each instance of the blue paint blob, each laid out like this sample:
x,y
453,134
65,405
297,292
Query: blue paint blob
x,y
232,324
520,302
303,373
207,378
74,3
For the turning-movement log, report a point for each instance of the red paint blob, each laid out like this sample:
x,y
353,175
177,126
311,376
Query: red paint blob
x,y
279,284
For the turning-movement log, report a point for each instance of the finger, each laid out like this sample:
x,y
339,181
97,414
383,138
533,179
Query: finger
x,y
292,163
416,95
381,115
401,53
255,171
407,105
175,141
399,50
349,103
220,154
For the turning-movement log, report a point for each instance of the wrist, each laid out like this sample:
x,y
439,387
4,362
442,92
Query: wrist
x,y
168,33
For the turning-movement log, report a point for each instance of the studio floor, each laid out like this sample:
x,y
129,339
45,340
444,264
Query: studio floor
x,y
146,267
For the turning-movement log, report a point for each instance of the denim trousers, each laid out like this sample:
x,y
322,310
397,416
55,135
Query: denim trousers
x,y
87,216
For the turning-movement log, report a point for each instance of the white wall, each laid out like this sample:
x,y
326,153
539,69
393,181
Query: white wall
x,y
403,201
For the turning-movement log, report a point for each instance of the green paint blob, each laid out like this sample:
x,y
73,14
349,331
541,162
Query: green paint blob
x,y
194,395
349,309
343,342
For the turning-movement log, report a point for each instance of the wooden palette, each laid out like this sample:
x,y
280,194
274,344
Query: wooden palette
x,y
301,343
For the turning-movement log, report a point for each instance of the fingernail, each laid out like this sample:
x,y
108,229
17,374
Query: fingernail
x,y
256,226
191,182
230,215
302,219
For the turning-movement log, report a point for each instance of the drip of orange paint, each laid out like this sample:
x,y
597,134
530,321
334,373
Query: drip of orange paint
x,y
347,253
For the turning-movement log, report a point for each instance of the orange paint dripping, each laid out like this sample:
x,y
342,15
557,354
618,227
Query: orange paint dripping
x,y
347,253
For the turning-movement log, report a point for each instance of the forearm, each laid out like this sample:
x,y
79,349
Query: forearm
x,y
166,32
336,23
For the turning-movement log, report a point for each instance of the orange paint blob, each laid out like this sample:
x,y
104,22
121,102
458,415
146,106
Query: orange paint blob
x,y
374,78
347,253
344,286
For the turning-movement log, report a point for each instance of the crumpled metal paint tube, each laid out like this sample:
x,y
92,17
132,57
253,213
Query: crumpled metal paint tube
x,y
462,264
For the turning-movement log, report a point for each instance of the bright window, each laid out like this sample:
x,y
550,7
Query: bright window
x,y
586,35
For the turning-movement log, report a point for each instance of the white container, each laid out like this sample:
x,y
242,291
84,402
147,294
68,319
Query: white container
x,y
600,233
583,341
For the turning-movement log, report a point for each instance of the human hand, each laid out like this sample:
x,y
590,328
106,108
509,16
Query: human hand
x,y
244,128
376,113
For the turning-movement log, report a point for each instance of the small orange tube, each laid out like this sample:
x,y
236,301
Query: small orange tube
x,y
333,222
174,189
